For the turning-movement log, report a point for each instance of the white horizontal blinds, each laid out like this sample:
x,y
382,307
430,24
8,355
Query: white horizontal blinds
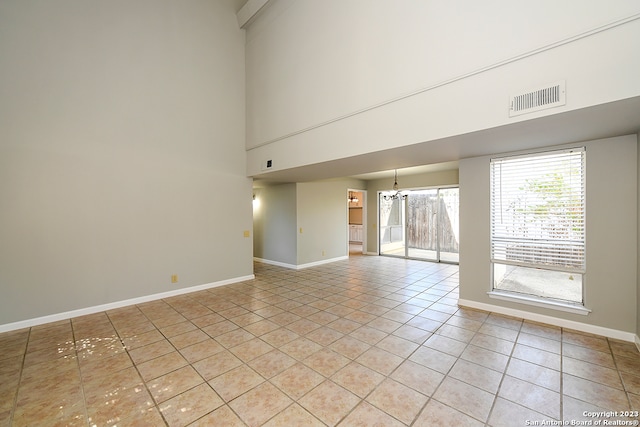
x,y
538,210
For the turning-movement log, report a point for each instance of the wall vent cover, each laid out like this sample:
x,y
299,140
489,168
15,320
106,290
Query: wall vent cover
x,y
537,99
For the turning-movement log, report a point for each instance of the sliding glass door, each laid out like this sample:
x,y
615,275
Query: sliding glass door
x,y
422,224
392,230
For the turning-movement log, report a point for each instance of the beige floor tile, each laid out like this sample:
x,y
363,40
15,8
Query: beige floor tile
x,y
188,338
631,382
294,415
323,317
384,325
206,320
329,402
456,333
330,336
487,358
279,337
585,340
539,343
380,360
101,389
508,414
261,327
542,330
358,379
174,383
136,341
398,400
465,398
536,374
538,357
418,377
223,416
251,349
236,382
435,414
492,343
623,348
260,404
302,326
120,405
324,336
464,323
201,350
178,329
234,338
345,326
504,321
446,345
297,380
161,365
433,359
272,363
594,393
220,328
189,406
498,332
326,361
398,346
600,374
588,355
538,399
476,375
349,347
366,415
628,364
151,351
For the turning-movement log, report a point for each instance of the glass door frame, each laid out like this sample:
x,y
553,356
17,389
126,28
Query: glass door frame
x,y
405,223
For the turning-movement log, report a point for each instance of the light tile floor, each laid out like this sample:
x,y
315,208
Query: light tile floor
x,y
361,342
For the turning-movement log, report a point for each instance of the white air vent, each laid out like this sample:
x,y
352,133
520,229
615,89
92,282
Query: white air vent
x,y
541,98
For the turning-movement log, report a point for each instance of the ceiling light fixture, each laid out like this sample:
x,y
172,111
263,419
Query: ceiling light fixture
x,y
397,193
352,198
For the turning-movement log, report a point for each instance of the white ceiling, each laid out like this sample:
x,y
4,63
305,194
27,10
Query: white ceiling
x,y
602,121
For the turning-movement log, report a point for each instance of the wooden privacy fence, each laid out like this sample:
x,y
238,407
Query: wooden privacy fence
x,y
422,222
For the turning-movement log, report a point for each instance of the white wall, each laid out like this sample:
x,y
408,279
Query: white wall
x,y
274,224
323,217
612,249
328,80
302,223
121,151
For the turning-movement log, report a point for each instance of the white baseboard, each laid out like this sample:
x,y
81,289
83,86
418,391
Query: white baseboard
x,y
118,304
638,342
300,266
555,321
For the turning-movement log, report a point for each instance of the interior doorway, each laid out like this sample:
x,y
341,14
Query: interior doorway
x,y
420,224
357,218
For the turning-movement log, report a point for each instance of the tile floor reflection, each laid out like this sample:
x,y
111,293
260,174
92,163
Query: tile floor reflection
x,y
361,342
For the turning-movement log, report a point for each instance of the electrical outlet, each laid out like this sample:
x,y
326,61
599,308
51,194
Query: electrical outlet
x,y
174,278
247,233
300,230
322,253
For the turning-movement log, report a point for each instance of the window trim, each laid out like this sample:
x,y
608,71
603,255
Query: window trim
x,y
577,307
549,303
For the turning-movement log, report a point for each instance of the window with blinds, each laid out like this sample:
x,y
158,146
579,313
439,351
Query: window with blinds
x,y
538,222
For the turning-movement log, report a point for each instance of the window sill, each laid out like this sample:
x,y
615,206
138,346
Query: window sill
x,y
540,302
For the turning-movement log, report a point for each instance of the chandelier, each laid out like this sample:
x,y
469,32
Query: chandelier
x,y
352,198
397,193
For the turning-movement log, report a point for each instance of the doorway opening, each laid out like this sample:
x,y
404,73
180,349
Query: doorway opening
x,y
420,224
357,215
